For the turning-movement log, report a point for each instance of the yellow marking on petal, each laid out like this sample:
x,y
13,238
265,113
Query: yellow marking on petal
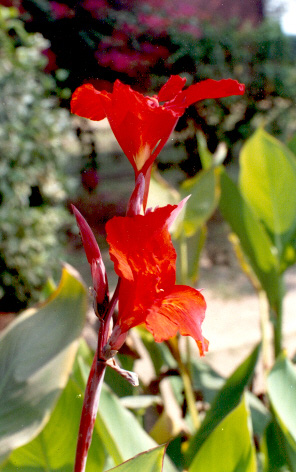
x,y
142,157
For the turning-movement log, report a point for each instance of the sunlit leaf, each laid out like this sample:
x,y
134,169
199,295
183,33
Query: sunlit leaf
x,y
229,448
254,240
149,461
54,448
279,455
268,182
204,198
226,400
281,387
37,352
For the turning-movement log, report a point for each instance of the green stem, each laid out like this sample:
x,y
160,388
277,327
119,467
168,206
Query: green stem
x,y
277,317
264,323
183,259
187,381
278,332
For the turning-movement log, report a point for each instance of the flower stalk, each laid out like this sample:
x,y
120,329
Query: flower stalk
x,y
140,244
89,412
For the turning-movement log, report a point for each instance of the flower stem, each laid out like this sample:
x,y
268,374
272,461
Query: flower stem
x,y
187,381
93,388
183,259
277,317
264,323
89,412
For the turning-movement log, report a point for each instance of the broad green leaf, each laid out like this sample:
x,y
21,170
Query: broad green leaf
x,y
206,380
204,198
161,193
226,400
281,387
268,182
292,144
209,382
54,448
159,352
207,158
229,448
259,413
254,240
195,246
149,461
119,430
37,352
280,456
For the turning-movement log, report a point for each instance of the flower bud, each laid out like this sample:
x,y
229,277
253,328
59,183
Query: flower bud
x,y
100,284
98,271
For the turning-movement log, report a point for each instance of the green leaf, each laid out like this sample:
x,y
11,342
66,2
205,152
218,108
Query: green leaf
x,y
204,198
37,352
54,448
280,456
207,158
161,193
259,413
159,353
119,430
229,448
149,461
292,144
254,240
206,380
226,400
268,182
195,246
281,387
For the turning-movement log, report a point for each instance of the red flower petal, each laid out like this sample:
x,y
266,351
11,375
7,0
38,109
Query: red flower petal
x,y
173,86
182,309
86,102
140,243
139,124
212,89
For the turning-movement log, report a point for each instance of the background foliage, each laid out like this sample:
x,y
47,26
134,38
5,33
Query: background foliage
x,y
142,43
37,146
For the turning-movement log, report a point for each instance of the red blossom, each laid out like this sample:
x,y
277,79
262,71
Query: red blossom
x,y
142,124
61,10
145,259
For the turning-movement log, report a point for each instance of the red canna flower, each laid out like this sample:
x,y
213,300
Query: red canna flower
x,y
145,259
142,124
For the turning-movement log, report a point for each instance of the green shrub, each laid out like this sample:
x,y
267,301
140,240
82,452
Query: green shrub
x,y
36,146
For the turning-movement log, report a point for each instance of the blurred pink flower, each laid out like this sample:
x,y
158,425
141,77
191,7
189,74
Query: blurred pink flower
x,y
51,60
97,8
61,10
154,21
191,29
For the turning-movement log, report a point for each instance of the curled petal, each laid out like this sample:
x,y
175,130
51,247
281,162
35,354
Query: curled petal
x,y
212,89
86,102
182,310
171,88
